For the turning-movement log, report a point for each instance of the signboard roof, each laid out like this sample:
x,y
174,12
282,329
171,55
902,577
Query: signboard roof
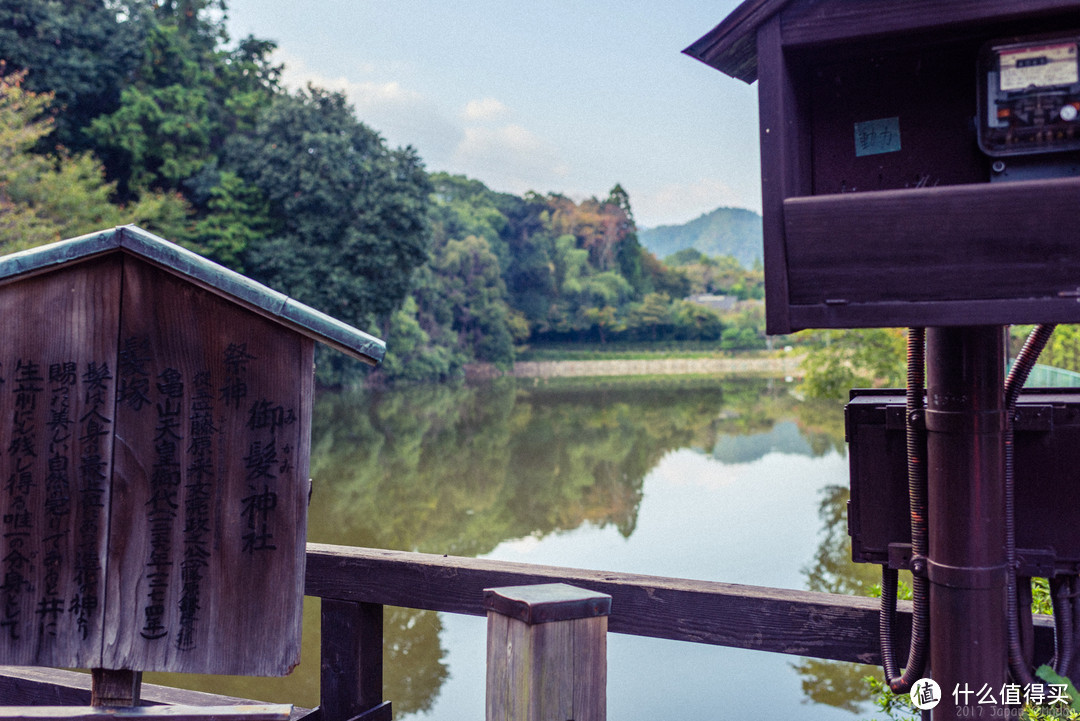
x,y
202,272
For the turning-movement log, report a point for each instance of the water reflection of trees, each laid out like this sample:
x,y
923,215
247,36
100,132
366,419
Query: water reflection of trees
x,y
459,470
832,571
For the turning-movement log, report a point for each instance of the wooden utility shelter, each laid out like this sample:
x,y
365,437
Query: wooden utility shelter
x,y
882,95
155,410
921,167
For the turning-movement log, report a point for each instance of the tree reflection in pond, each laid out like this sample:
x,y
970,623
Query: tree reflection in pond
x,y
459,470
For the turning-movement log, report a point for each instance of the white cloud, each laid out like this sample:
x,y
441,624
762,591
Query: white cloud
x,y
401,115
485,109
680,202
510,157
477,141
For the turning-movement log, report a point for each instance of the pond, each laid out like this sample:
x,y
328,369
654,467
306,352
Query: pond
x,y
722,479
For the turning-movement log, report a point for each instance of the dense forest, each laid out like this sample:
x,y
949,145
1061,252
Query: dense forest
x,y
146,112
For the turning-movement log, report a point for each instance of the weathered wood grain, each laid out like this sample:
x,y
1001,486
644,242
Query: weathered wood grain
x,y
114,688
546,653
803,623
29,686
794,622
210,484
57,349
351,668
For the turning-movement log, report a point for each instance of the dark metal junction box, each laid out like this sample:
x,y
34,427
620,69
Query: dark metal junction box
x,y
1047,462
883,128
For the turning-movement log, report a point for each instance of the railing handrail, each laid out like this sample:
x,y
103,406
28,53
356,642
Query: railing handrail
x,y
802,623
355,583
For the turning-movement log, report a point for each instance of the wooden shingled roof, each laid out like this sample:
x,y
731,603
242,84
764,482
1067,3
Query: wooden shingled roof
x,y
202,272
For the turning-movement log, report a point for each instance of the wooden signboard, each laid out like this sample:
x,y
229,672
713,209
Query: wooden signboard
x,y
153,473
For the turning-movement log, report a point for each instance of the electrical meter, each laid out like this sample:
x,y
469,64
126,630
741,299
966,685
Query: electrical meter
x,y
1029,96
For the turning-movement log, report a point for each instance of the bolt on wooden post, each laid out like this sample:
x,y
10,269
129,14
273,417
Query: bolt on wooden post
x,y
546,653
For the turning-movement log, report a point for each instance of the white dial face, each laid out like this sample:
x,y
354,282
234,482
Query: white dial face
x,y
1038,66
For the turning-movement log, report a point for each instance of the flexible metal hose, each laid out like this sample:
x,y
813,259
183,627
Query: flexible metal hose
x,y
1021,369
916,467
1061,597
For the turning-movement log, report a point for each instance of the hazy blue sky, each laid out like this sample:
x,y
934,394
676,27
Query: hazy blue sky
x,y
548,95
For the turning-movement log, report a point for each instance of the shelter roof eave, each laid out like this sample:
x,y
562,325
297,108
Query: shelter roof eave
x,y
202,272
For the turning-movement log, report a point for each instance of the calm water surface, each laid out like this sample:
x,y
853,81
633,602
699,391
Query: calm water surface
x,y
725,480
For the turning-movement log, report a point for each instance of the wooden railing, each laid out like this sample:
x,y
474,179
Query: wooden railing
x,y
355,583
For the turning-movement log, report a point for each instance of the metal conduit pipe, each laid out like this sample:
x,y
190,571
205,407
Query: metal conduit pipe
x,y
1021,369
1074,589
916,465
1060,596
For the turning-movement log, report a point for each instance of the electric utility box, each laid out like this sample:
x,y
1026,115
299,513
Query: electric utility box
x,y
884,125
1047,453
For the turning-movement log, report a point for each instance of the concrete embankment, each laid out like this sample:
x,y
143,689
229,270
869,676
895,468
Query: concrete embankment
x,y
781,367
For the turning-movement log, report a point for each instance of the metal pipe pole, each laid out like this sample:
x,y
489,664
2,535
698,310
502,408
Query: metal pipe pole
x,y
965,421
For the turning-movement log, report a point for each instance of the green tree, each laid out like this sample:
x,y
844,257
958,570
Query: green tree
x,y
473,286
849,359
80,53
186,95
45,199
347,215
651,317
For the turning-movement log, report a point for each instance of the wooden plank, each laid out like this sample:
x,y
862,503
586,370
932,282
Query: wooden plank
x,y
785,166
261,712
57,687
794,622
986,242
351,670
590,654
57,358
210,484
803,623
815,23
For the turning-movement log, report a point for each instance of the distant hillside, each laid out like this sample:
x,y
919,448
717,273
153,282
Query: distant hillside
x,y
724,231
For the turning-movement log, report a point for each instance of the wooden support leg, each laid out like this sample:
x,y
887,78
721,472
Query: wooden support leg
x,y
351,678
546,653
115,688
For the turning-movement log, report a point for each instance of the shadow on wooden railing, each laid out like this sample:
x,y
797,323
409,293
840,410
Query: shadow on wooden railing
x,y
355,583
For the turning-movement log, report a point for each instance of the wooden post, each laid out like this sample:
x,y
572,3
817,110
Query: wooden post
x,y
351,678
546,653
114,688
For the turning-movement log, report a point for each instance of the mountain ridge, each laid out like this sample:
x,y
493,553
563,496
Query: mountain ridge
x,y
724,231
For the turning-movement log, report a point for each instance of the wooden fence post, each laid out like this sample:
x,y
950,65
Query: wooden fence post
x,y
351,673
115,687
546,653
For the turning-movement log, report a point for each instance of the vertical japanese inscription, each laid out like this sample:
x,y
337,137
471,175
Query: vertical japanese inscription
x,y
60,433
264,462
197,505
94,429
18,519
161,508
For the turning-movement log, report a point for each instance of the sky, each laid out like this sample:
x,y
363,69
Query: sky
x,y
544,95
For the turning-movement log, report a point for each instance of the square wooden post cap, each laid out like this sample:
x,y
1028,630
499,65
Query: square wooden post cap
x,y
546,602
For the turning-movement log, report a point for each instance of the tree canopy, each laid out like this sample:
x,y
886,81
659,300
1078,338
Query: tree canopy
x,y
145,111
